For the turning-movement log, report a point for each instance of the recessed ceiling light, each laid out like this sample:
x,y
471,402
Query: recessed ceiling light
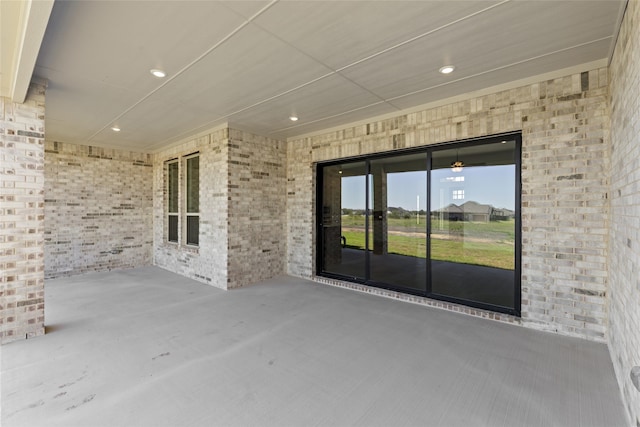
x,y
115,128
447,69
158,73
293,118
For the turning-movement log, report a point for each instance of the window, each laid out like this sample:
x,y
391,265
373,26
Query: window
x,y
172,201
183,201
458,195
192,194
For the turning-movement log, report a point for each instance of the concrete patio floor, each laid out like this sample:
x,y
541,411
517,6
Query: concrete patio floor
x,y
146,347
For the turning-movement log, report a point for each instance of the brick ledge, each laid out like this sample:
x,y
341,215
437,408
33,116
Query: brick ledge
x,y
424,301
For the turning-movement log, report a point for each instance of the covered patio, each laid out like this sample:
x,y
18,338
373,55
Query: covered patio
x,y
147,347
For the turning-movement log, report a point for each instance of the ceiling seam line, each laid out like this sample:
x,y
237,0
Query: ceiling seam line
x,y
185,68
411,40
333,71
389,100
226,116
317,79
381,98
497,68
329,117
338,71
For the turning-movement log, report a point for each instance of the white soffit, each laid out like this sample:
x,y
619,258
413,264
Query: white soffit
x,y
22,28
331,63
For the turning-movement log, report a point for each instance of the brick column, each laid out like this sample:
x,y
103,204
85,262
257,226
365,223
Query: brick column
x,y
22,216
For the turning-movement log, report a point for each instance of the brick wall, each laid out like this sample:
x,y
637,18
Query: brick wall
x,y
624,266
565,167
257,208
22,216
207,262
242,206
98,209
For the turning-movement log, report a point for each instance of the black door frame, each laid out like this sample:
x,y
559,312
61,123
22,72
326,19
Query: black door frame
x,y
428,150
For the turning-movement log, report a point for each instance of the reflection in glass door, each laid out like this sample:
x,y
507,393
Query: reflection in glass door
x,y
473,223
398,227
343,221
441,222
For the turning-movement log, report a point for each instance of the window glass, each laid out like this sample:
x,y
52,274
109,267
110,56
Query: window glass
x,y
343,219
193,185
172,201
193,200
172,187
473,223
172,234
398,226
193,225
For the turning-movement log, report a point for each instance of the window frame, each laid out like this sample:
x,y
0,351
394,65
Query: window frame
x,y
169,196
186,214
176,196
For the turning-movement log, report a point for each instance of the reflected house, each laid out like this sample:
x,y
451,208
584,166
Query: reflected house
x,y
473,212
476,212
502,214
451,212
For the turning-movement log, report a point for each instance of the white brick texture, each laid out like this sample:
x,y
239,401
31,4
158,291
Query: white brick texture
x,y
242,206
97,209
208,262
624,240
565,166
257,208
22,216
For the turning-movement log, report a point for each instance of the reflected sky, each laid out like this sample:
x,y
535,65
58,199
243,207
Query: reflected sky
x,y
483,184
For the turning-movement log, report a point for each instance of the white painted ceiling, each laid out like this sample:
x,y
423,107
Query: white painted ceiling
x,y
254,63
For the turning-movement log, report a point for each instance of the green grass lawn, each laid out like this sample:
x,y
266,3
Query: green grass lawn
x,y
491,254
494,230
505,229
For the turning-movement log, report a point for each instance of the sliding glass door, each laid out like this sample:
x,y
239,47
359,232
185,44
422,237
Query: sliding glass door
x,y
473,227
343,219
398,206
441,222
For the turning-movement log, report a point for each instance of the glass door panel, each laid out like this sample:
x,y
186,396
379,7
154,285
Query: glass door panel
x,y
442,222
473,228
344,219
397,229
